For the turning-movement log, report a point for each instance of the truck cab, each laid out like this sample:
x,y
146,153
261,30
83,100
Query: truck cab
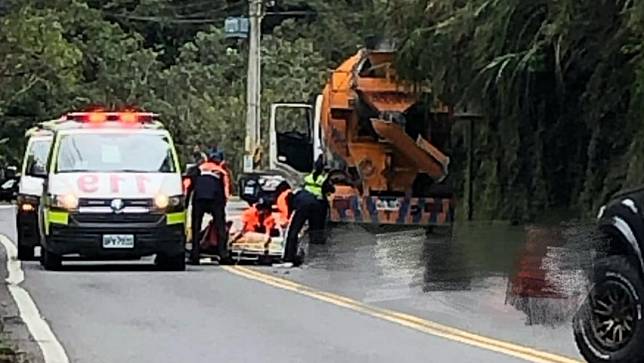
x,y
112,190
294,144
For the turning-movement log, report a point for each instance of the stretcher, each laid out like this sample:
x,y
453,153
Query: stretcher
x,y
248,246
259,247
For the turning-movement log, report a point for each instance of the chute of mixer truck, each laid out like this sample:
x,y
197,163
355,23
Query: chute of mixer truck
x,y
383,140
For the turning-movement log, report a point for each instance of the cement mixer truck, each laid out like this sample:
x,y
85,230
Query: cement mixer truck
x,y
382,138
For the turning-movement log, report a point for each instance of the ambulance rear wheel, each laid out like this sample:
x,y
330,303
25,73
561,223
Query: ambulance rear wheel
x,y
25,253
50,261
25,249
171,263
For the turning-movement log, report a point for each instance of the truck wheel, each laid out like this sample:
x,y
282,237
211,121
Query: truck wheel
x,y
171,263
608,326
50,261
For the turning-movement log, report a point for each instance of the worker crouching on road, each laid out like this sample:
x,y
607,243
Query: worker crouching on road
x,y
309,205
259,218
209,188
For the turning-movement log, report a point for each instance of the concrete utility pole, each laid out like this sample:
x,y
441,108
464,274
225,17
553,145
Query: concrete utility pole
x,y
253,88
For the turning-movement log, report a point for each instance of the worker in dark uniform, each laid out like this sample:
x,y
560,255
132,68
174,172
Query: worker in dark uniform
x,y
308,205
319,184
210,192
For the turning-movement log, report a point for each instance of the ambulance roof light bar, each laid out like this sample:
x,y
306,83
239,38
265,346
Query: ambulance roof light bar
x,y
101,116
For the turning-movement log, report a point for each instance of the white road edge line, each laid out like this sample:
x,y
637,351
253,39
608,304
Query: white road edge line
x,y
52,350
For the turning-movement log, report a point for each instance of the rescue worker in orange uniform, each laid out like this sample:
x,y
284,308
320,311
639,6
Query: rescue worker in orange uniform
x,y
226,166
284,203
210,191
259,218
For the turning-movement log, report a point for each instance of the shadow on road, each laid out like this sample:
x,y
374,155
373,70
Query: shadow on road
x,y
96,266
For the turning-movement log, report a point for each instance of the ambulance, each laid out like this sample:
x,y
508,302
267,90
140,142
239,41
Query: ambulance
x,y
112,190
30,189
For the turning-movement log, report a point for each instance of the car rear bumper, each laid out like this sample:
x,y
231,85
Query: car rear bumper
x,y
86,239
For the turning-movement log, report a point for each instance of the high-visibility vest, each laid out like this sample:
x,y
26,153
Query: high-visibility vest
x,y
314,186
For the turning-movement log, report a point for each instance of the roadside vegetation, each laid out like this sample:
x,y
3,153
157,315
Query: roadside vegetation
x,y
7,354
560,83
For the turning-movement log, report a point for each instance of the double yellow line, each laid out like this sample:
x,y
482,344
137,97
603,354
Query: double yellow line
x,y
409,321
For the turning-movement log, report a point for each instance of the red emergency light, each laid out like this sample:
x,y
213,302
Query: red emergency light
x,y
96,117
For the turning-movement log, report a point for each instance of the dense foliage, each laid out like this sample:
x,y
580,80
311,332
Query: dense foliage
x,y
560,83
167,56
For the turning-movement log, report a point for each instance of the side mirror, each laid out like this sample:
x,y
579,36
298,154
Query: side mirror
x,y
38,170
11,172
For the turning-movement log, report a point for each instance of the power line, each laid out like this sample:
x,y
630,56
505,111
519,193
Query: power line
x,y
202,3
224,8
187,20
163,19
294,12
180,19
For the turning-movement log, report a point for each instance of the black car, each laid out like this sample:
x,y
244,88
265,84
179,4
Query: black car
x,y
9,184
609,327
8,190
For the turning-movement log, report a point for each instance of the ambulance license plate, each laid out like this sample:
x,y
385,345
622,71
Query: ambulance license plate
x,y
118,241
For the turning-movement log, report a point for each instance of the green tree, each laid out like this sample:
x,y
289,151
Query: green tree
x,y
554,79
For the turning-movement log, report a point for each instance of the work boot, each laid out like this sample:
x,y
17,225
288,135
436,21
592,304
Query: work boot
x,y
194,258
194,262
317,237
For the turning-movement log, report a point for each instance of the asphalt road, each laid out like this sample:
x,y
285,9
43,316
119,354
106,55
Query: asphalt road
x,y
131,313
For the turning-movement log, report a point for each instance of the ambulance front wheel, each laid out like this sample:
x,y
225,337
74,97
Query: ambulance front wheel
x,y
171,263
49,260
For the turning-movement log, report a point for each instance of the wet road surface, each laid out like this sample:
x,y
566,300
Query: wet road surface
x,y
129,313
518,284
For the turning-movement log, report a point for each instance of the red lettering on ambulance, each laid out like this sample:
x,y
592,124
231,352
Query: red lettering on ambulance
x,y
88,183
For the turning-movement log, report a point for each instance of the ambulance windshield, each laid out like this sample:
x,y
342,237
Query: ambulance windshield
x,y
115,152
37,155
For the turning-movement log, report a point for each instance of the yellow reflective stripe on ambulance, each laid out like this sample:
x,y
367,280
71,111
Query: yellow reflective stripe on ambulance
x,y
57,217
176,218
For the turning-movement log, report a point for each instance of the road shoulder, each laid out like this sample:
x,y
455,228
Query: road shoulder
x,y
14,335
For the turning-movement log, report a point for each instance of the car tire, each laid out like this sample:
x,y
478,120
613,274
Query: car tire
x,y
50,261
171,263
616,286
